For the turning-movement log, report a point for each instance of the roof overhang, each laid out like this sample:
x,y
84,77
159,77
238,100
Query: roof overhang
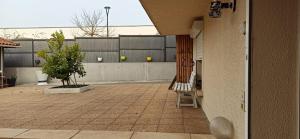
x,y
175,17
8,43
10,46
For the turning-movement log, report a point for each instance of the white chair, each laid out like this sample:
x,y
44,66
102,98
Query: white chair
x,y
186,88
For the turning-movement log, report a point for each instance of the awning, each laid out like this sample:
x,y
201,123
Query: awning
x,y
175,17
8,43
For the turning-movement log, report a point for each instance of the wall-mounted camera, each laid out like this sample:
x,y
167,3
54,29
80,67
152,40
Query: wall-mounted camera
x,y
216,6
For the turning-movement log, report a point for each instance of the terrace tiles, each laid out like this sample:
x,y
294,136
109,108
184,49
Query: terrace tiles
x,y
111,107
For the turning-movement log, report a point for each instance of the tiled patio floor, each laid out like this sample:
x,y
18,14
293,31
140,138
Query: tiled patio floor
x,y
6,133
115,107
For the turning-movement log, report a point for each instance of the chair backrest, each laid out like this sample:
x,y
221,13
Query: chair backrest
x,y
192,79
186,86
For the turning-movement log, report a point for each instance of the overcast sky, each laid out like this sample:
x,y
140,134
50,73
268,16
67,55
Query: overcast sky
x,y
54,13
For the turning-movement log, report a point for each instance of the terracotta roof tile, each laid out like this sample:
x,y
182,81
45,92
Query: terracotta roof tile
x,y
8,43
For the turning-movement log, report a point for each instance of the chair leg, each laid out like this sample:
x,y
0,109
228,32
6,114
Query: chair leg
x,y
2,83
195,100
178,99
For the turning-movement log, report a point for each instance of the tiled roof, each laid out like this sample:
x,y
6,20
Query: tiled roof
x,y
8,43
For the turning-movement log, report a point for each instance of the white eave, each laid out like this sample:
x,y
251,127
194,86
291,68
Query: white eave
x,y
175,17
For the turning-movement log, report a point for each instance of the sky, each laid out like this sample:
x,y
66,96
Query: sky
x,y
59,13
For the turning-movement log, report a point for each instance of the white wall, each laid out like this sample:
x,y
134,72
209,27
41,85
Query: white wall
x,y
1,58
198,47
71,32
224,67
198,53
110,72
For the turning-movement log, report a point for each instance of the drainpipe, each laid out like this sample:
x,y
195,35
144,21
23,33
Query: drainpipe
x,y
1,66
2,53
298,69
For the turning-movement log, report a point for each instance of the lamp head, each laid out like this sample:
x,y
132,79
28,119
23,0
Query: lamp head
x,y
107,8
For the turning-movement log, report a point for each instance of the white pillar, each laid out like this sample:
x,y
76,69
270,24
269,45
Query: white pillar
x,y
1,58
1,66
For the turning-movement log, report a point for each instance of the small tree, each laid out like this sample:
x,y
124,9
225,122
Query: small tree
x,y
62,61
74,59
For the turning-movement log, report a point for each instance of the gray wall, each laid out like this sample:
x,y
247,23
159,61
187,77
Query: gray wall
x,y
19,56
109,72
136,48
170,48
93,48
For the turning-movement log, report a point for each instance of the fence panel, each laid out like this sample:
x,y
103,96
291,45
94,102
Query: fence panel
x,y
171,55
98,44
18,60
108,57
170,48
141,42
171,41
40,45
26,47
43,44
141,55
19,57
69,42
135,48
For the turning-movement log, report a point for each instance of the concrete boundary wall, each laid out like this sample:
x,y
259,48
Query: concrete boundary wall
x,y
108,72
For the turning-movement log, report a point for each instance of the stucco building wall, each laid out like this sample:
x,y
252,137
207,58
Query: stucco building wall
x,y
274,75
224,67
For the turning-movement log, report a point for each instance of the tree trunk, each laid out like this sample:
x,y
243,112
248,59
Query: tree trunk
x,y
75,79
68,82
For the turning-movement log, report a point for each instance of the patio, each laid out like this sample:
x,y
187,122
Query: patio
x,y
113,107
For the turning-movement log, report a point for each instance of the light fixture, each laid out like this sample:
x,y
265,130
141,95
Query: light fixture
x,y
216,6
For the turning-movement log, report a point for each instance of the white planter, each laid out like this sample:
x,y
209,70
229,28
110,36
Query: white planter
x,y
52,90
100,59
42,78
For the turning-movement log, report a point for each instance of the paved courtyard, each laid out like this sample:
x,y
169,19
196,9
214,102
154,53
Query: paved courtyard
x,y
114,107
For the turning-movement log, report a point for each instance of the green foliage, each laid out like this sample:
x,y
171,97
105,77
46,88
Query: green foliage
x,y
13,77
62,61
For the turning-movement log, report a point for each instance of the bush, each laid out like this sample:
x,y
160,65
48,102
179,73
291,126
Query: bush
x,y
62,61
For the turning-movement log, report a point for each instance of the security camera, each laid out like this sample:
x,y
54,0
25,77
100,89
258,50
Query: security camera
x,y
216,6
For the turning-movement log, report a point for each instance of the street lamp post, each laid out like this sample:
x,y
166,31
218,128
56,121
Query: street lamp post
x,y
107,8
